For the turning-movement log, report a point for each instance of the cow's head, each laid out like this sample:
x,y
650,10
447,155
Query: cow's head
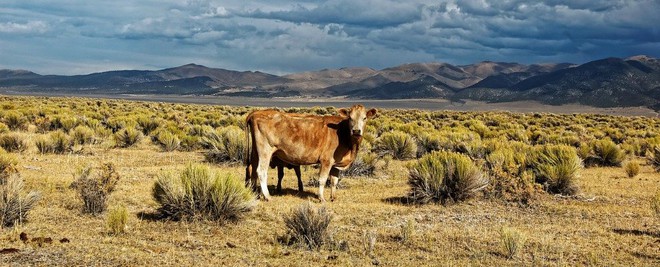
x,y
357,118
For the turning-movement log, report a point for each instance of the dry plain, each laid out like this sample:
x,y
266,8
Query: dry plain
x,y
609,222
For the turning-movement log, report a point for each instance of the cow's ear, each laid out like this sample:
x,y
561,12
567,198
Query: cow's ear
x,y
344,112
371,113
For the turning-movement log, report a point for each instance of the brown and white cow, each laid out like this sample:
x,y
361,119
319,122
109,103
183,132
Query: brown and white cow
x,y
296,139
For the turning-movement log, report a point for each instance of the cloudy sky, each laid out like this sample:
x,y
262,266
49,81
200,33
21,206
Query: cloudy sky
x,y
278,36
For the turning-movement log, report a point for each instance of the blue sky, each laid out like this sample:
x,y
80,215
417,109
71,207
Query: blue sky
x,y
279,37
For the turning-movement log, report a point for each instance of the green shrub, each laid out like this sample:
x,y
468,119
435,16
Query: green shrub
x,y
655,203
8,165
225,145
557,168
127,137
147,125
3,128
363,165
632,168
14,206
61,142
117,220
509,179
82,135
605,153
428,142
15,121
199,193
94,188
654,158
168,141
398,144
13,142
308,226
44,145
444,177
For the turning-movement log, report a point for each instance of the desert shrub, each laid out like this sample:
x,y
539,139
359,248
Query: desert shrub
x,y
15,120
363,165
512,241
557,167
44,145
605,153
8,165
198,193
127,137
655,203
225,145
654,158
631,168
509,179
66,123
444,177
61,142
13,142
200,130
427,142
308,226
398,144
117,220
82,135
14,205
94,187
190,142
3,128
168,141
147,125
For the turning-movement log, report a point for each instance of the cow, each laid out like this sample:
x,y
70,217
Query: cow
x,y
299,139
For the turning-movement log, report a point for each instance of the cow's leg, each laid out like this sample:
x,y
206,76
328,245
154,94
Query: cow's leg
x,y
334,179
262,172
323,177
300,182
280,176
248,174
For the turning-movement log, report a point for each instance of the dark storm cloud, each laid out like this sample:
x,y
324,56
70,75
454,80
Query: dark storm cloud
x,y
75,36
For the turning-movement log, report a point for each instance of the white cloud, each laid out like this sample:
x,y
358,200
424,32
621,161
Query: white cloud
x,y
32,27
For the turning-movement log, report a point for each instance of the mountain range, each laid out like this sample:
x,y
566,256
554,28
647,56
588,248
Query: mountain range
x,y
609,82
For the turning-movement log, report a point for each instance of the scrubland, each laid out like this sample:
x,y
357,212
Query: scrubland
x,y
114,182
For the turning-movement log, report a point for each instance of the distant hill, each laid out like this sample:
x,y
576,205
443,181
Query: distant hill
x,y
610,82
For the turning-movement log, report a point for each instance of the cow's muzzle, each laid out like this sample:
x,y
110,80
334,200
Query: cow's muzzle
x,y
356,132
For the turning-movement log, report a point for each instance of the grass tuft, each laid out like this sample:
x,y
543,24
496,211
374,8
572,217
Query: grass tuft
x,y
632,168
512,241
117,220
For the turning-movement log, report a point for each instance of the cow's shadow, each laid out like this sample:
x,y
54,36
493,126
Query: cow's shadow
x,y
291,192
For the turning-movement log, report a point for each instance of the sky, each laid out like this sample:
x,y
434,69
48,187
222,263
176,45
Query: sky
x,y
276,36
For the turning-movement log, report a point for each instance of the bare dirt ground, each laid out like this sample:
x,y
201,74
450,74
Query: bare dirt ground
x,y
423,104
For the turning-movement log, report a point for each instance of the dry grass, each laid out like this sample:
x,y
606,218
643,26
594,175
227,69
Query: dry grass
x,y
609,223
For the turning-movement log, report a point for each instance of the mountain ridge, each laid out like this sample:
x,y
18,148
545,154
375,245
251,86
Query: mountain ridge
x,y
608,82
